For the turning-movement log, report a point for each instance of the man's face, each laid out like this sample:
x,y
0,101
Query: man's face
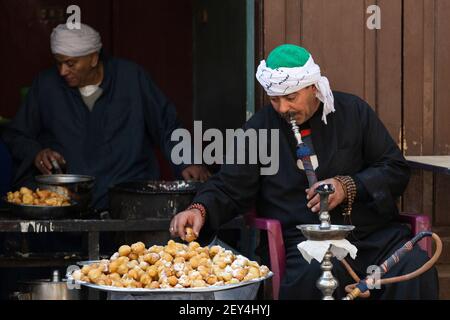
x,y
76,70
301,104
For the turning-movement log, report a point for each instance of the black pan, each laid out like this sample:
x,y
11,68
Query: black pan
x,y
35,212
151,199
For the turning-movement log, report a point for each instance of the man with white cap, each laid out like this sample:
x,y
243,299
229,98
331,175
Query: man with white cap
x,y
349,148
95,115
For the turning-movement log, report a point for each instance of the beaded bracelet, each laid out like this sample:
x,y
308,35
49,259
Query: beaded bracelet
x,y
199,207
349,187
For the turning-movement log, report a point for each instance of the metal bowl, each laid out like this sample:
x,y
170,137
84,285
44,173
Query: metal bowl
x,y
39,212
242,291
315,233
77,187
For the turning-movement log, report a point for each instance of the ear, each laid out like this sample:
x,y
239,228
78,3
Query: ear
x,y
94,59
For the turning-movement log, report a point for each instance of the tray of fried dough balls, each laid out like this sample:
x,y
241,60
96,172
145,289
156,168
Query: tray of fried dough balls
x,y
175,267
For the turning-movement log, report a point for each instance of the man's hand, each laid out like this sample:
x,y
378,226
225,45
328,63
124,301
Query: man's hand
x,y
44,158
196,172
189,218
334,200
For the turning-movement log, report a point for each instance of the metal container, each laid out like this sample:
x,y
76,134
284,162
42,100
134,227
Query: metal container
x,y
242,291
37,212
47,289
77,187
151,199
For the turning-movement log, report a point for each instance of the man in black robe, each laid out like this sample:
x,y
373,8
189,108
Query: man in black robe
x,y
346,140
94,115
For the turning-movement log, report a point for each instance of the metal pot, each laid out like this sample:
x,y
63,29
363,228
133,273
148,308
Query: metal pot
x,y
47,289
151,199
77,187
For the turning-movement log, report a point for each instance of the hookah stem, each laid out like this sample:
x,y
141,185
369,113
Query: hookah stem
x,y
362,286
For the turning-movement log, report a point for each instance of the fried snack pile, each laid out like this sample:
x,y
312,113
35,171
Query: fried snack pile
x,y
175,265
48,198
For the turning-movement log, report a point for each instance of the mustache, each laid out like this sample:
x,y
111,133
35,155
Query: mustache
x,y
289,116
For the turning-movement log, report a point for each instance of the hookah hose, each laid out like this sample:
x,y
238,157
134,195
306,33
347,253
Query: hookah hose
x,y
304,154
362,287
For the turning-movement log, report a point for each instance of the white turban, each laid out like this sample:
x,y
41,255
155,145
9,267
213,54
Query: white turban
x,y
75,42
283,81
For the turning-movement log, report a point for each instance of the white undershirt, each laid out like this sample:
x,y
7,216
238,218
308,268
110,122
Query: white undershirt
x,y
89,90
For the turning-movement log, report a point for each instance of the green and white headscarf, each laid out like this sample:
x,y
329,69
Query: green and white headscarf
x,y
290,68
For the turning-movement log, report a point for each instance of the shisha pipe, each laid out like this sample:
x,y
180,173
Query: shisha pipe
x,y
363,286
303,153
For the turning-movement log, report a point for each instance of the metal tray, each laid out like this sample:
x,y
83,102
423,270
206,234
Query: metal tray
x,y
241,291
40,212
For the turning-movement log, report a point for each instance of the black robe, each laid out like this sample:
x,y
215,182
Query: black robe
x,y
355,143
114,142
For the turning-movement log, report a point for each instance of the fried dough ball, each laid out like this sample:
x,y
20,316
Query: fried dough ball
x,y
117,284
124,251
193,245
77,274
233,281
85,269
212,280
154,285
264,271
173,281
113,266
151,258
25,191
133,256
152,271
198,284
122,269
239,273
253,273
133,274
145,279
27,199
94,274
115,276
138,248
43,193
156,249
167,257
190,235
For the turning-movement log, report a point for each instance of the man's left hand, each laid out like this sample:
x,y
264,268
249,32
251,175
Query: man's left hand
x,y
334,200
196,172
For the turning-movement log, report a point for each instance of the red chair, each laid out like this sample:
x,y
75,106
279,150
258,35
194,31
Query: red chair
x,y
418,223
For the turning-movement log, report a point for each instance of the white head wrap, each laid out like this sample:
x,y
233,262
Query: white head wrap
x,y
284,81
75,42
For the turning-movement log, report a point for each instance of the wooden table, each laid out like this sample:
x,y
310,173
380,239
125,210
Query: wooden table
x,y
436,164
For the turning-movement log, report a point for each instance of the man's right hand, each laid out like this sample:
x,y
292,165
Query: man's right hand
x,y
189,218
44,158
